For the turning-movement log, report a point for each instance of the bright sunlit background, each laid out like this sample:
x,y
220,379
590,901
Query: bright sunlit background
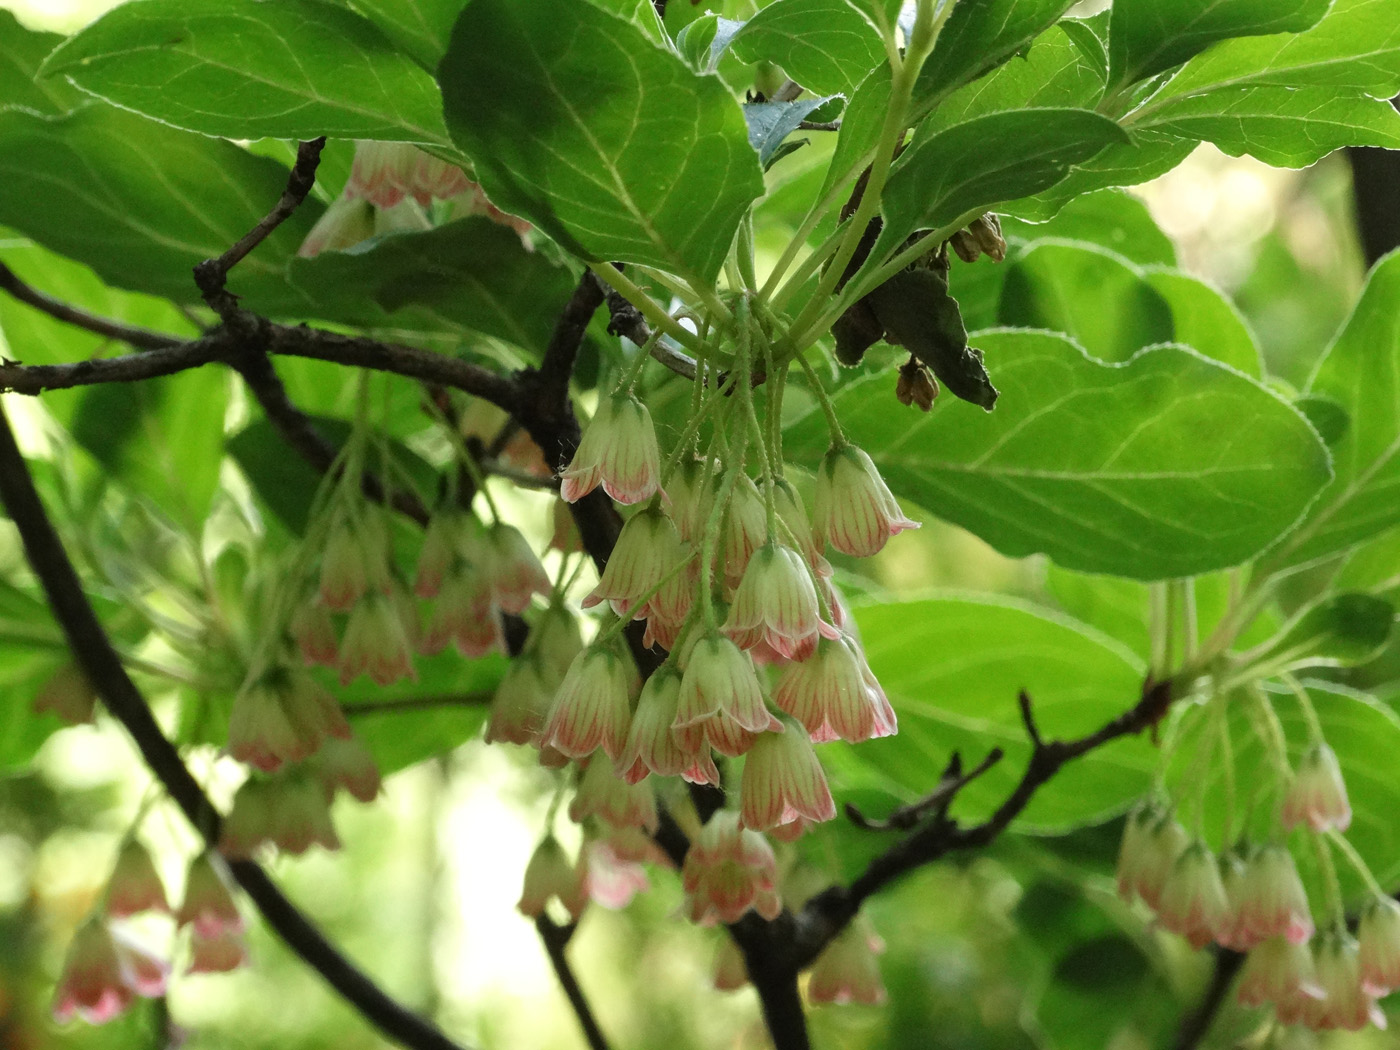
x,y
424,893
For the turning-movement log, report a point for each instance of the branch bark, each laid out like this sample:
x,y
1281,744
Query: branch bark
x,y
99,662
556,939
143,338
1196,1025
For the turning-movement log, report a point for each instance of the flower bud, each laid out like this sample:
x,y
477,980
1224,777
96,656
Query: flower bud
x,y
343,225
651,745
347,765
93,984
647,548
521,703
515,574
776,603
314,634
376,643
720,684
603,793
830,696
1379,945
592,709
1278,971
916,385
1193,901
1273,901
549,874
382,172
1345,1003
783,781
730,972
1165,842
744,529
208,905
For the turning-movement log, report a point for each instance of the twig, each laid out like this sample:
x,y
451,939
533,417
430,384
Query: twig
x,y
1196,1024
211,275
937,801
556,938
819,125
99,662
143,338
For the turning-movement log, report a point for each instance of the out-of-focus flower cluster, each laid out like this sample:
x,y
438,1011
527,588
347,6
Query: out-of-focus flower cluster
x,y
1252,899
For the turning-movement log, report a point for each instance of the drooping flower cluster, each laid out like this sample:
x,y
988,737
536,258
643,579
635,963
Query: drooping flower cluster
x,y
390,185
1252,900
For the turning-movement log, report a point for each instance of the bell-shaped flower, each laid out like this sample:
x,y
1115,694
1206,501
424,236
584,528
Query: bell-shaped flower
x,y
441,549
832,697
93,984
848,969
1379,942
376,643
1164,843
208,906
1132,849
744,528
344,224
314,634
1345,1003
797,527
619,803
551,874
347,765
1235,931
68,694
556,639
521,703
285,716
464,615
776,603
691,491
563,532
436,179
144,971
353,563
382,172
404,217
1193,901
783,780
728,870
618,450
646,550
1273,902
613,880
289,810
720,699
135,886
1317,795
652,746
592,708
854,509
222,952
515,574
1278,971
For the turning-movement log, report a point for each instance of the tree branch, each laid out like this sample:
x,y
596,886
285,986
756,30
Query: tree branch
x,y
99,662
143,338
556,939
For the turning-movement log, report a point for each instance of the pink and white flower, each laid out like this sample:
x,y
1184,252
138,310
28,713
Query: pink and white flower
x,y
728,870
619,803
848,970
854,509
551,874
592,709
135,886
1278,971
100,978
283,717
222,952
1378,938
464,615
347,765
208,906
1193,901
521,703
515,574
1318,794
618,450
344,224
646,550
67,694
314,634
731,973
1272,899
834,696
783,781
1345,1003
744,529
376,643
720,700
776,603
288,810
652,746
1164,843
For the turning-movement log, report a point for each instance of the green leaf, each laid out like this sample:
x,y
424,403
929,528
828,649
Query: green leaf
x,y
1097,298
1285,127
1117,607
22,51
1122,164
1361,372
1340,630
704,41
472,273
1207,321
614,148
1055,73
248,69
642,14
399,739
1100,466
1149,36
1356,46
977,38
953,666
287,484
861,124
161,438
771,122
975,165
827,46
140,202
419,27
1108,218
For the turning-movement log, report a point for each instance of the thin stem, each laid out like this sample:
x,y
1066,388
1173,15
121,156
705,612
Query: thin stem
x,y
1355,860
649,307
1332,886
833,422
1305,704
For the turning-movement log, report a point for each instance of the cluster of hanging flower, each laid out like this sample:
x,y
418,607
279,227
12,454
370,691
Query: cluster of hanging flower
x,y
1252,900
390,185
106,967
762,664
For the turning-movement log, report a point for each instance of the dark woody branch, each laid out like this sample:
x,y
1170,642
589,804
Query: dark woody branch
x,y
99,662
556,938
142,338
